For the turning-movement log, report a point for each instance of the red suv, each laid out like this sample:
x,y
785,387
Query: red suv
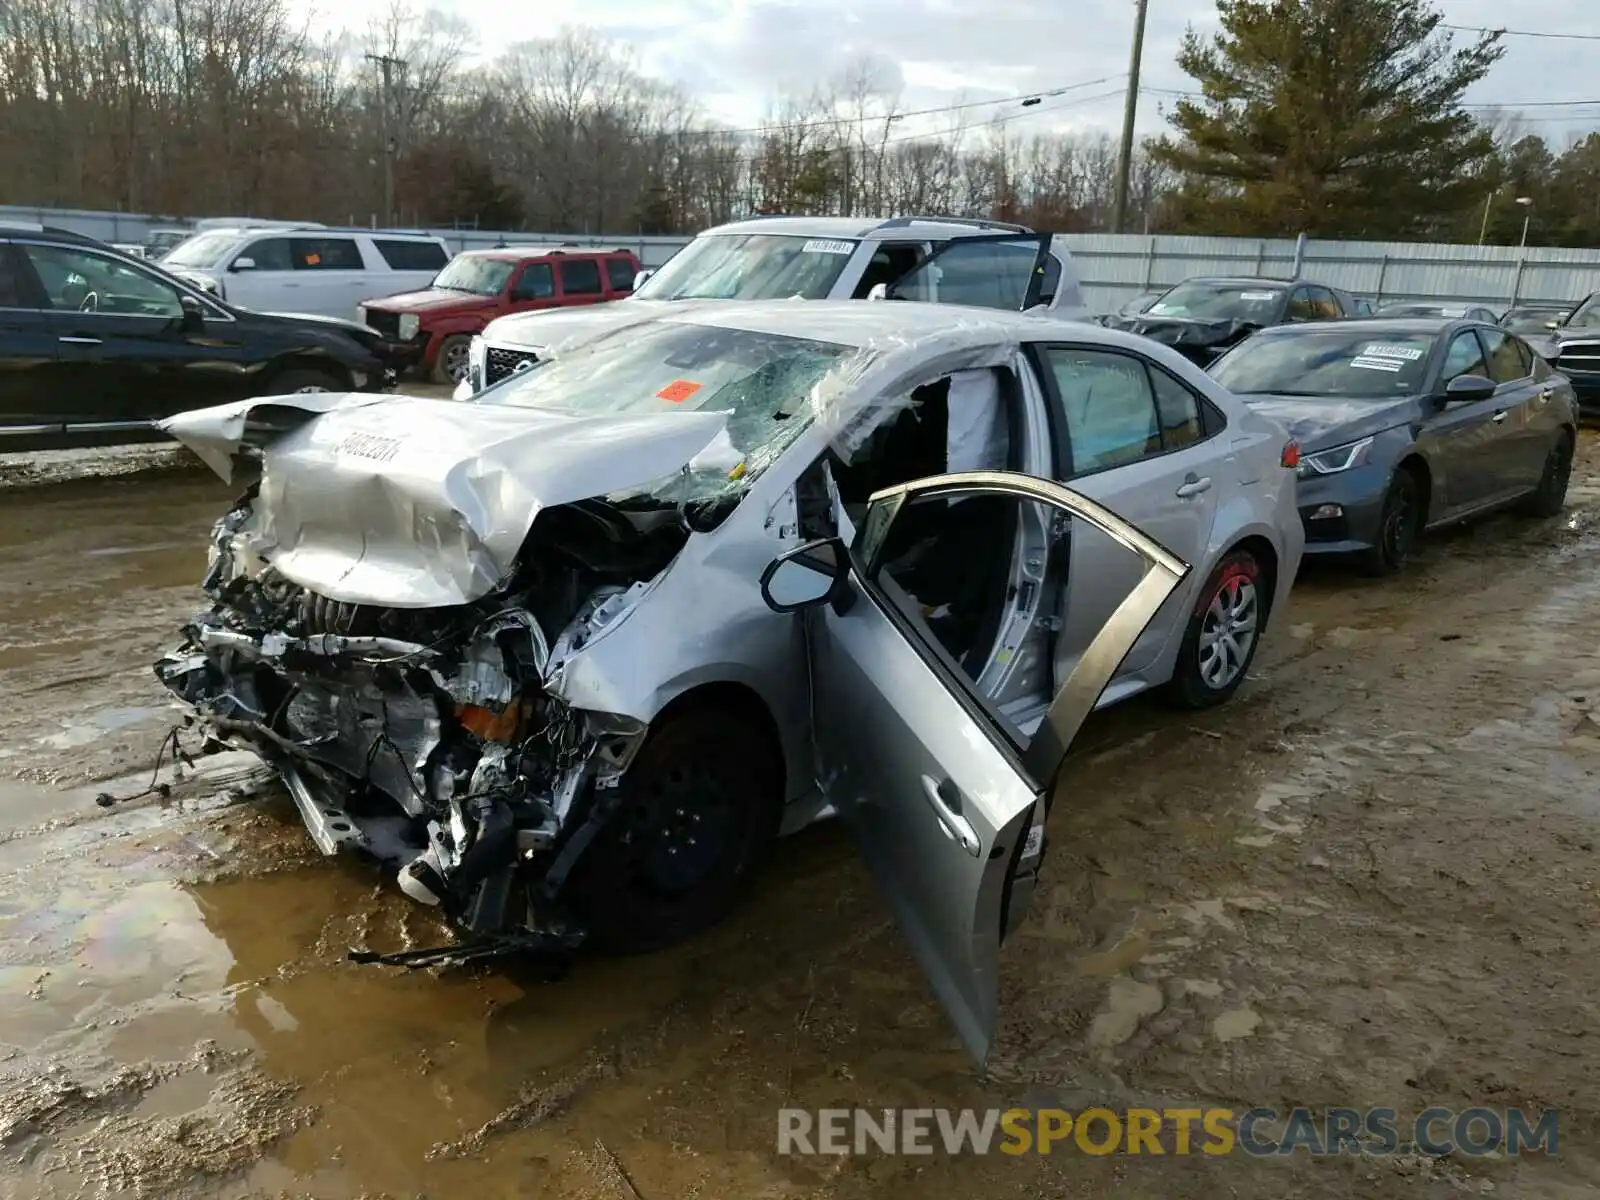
x,y
432,329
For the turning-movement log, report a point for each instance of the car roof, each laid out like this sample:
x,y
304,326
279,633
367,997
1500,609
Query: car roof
x,y
865,323
1370,326
1250,281
519,253
867,228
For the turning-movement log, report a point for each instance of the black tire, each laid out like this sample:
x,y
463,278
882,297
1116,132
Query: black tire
x,y
305,379
1550,497
1398,527
711,773
1237,584
454,345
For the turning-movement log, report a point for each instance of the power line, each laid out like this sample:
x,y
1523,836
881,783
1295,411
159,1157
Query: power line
x,y
1527,33
1493,104
1028,99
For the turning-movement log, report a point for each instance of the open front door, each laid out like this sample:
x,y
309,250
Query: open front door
x,y
944,795
994,271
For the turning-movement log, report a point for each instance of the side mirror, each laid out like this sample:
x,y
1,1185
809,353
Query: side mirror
x,y
640,277
243,263
805,576
194,316
1552,324
1466,389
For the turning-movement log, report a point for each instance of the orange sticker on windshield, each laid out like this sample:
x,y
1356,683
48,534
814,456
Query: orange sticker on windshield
x,y
678,390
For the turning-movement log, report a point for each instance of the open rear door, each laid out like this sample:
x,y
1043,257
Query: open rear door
x,y
1006,271
944,796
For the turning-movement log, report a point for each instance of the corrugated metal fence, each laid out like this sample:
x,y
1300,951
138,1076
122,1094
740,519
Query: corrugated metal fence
x,y
1116,267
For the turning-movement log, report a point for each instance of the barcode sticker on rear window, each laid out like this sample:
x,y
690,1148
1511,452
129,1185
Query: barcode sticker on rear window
x,y
1384,350
1376,364
824,246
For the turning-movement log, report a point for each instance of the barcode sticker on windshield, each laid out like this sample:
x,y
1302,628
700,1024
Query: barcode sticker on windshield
x,y
1381,350
1258,295
1376,364
824,246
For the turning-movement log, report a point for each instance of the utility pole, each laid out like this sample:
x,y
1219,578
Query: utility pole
x,y
1119,214
388,64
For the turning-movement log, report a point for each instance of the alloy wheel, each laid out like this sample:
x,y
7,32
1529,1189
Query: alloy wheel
x,y
1228,632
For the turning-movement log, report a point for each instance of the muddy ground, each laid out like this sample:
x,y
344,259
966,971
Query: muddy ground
x,y
1373,879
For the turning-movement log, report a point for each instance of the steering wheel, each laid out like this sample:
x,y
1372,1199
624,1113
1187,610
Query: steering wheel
x,y
91,303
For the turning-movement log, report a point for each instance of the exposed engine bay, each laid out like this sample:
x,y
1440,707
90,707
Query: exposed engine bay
x,y
426,738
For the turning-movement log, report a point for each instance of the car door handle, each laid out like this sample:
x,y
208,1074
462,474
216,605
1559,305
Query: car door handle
x,y
1499,416
80,341
1546,394
1193,486
946,803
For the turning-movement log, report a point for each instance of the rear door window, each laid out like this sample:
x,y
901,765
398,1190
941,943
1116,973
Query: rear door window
x,y
411,256
620,273
580,277
326,254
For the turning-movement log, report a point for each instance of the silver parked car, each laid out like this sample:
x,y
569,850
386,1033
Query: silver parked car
x,y
533,651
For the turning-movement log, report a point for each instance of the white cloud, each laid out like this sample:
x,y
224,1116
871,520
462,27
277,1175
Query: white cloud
x,y
738,56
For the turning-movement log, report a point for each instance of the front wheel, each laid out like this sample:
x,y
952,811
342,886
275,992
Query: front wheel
x,y
298,381
1398,527
1548,499
699,807
1224,629
450,364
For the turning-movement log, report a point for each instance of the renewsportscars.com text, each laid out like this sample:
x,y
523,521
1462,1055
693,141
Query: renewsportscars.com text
x,y
1257,1132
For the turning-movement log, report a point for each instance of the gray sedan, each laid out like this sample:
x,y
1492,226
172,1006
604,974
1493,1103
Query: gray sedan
x,y
1406,425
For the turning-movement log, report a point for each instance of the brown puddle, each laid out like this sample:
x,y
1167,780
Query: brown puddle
x,y
1371,879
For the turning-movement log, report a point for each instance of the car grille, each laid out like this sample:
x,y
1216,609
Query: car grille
x,y
499,363
1582,359
385,323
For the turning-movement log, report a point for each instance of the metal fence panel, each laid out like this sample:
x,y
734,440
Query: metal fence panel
x,y
1116,267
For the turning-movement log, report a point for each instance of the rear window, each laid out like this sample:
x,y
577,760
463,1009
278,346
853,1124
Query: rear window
x,y
326,254
580,277
620,272
411,256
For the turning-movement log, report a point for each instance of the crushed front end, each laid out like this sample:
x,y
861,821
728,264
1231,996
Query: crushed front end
x,y
426,738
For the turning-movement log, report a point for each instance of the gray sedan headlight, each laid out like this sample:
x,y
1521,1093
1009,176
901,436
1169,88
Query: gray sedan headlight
x,y
1339,458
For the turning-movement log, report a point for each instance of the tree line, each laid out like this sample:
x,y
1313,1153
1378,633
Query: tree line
x,y
1341,118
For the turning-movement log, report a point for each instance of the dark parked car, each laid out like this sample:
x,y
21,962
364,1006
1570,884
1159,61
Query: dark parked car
x,y
1406,425
1447,312
96,345
1574,347
1534,321
1201,318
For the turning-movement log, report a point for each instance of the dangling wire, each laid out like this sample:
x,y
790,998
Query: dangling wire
x,y
164,790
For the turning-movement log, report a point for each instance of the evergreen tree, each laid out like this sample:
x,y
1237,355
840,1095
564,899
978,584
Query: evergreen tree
x,y
1339,118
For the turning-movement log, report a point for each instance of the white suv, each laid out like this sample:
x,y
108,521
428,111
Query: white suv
x,y
307,269
948,260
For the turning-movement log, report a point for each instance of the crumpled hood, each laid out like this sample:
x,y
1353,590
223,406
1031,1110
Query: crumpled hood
x,y
405,502
1320,424
1194,338
557,330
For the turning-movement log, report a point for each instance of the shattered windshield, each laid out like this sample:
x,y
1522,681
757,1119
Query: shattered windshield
x,y
751,266
762,380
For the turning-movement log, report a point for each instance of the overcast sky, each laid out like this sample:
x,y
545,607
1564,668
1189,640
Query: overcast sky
x,y
737,56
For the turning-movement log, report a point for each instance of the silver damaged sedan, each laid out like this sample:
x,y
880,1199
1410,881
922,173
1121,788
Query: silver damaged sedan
x,y
569,657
